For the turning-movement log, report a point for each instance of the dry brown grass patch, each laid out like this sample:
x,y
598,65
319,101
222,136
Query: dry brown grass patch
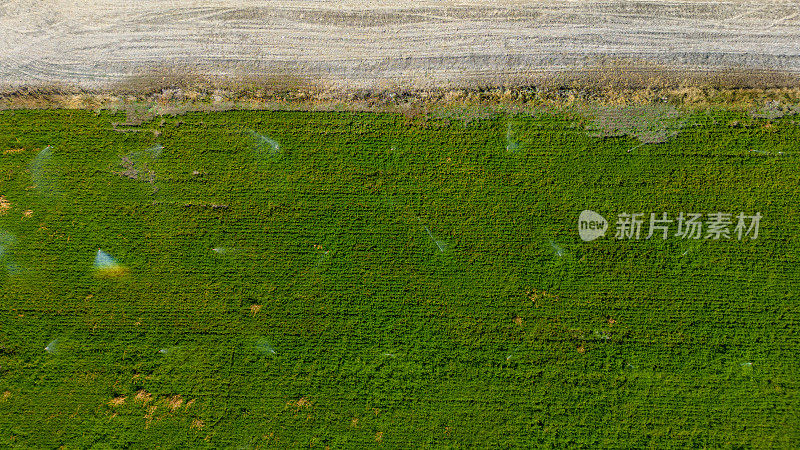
x,y
117,401
6,395
254,309
5,205
149,416
175,402
197,424
581,349
301,403
27,213
379,436
175,89
144,396
13,150
534,295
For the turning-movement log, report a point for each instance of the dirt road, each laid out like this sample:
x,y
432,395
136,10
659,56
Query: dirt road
x,y
376,44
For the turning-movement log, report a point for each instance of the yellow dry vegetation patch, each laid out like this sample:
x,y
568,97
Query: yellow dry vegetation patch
x,y
117,401
27,213
197,424
379,436
13,150
254,309
299,404
6,395
149,415
5,205
534,294
144,396
175,402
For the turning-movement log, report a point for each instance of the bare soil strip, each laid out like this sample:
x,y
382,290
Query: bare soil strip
x,y
111,46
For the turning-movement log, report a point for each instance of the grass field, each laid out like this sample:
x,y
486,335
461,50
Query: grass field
x,y
295,279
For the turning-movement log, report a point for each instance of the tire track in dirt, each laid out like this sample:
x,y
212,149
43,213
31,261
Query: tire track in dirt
x,y
354,45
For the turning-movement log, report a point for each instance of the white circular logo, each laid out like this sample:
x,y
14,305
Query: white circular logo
x,y
591,225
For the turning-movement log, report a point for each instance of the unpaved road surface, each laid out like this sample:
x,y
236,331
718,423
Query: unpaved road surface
x,y
378,44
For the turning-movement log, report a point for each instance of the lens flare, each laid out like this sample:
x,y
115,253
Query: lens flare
x,y
107,267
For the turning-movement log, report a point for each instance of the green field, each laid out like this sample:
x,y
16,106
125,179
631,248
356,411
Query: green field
x,y
342,280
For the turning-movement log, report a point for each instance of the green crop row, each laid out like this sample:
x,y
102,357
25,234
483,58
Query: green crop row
x,y
345,280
